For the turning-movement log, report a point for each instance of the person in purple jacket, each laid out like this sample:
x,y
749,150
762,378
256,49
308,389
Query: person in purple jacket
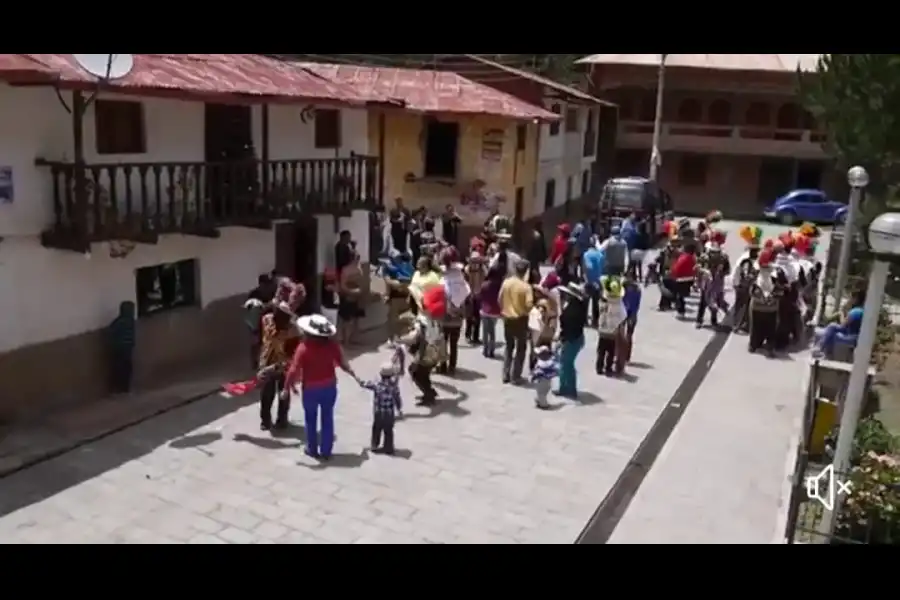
x,y
489,300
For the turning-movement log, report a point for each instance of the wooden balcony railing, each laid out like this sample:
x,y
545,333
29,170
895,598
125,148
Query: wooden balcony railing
x,y
140,201
746,132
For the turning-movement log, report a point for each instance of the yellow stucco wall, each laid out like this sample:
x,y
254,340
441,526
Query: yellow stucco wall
x,y
404,154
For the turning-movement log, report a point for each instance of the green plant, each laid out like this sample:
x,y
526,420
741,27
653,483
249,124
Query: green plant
x,y
871,513
871,437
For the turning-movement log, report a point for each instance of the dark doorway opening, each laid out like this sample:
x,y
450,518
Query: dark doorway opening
x,y
809,174
232,179
296,245
776,178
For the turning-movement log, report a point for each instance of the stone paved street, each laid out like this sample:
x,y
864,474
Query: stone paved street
x,y
741,427
487,467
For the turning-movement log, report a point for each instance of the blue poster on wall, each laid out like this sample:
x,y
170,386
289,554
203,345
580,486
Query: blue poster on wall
x,y
7,193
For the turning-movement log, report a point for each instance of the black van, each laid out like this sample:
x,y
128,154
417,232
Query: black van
x,y
623,196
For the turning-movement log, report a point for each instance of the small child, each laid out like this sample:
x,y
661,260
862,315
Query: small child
x,y
544,371
542,325
632,302
387,407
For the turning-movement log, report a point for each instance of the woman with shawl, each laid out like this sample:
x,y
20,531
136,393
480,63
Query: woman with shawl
x,y
456,292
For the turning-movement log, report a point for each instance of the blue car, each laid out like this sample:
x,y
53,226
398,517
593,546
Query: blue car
x,y
806,205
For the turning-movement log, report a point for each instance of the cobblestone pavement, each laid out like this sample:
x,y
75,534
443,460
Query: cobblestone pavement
x,y
739,435
486,467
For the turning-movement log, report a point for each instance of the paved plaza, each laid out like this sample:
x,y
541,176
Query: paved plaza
x,y
485,467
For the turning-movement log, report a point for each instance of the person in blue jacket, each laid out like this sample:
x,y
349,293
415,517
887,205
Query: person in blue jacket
x,y
593,267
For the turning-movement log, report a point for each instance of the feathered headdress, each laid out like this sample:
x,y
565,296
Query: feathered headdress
x,y
765,258
810,230
752,235
673,230
805,246
714,217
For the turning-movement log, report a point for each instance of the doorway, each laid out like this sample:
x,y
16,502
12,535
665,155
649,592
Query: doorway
x,y
809,174
228,141
776,178
296,256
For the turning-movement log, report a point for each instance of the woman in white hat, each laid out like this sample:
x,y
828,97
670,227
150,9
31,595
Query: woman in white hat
x,y
313,368
572,322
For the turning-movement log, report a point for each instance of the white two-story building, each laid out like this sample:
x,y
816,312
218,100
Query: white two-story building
x,y
567,152
165,190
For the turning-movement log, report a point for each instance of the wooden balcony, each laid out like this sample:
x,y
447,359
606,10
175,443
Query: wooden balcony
x,y
141,201
803,144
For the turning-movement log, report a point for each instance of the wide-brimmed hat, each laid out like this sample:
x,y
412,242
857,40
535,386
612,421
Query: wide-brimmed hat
x,y
502,235
574,289
316,326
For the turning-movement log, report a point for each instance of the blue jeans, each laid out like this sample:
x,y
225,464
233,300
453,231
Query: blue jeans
x,y
319,401
489,334
568,374
832,335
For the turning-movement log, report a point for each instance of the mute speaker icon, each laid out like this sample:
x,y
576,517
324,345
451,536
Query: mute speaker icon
x,y
825,488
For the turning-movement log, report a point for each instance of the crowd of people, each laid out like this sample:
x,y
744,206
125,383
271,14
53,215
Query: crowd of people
x,y
544,299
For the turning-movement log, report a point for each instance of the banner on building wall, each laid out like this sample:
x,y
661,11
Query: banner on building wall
x,y
7,191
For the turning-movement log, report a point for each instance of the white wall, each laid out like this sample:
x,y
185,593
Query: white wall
x,y
51,294
561,156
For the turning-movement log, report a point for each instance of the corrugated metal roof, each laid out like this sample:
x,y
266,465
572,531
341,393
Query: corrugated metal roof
x,y
431,91
782,63
209,75
19,67
567,90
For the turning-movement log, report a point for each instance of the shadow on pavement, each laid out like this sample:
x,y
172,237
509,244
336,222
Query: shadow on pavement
x,y
98,456
339,461
266,443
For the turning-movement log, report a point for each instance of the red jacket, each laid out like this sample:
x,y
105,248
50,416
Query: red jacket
x,y
560,243
684,266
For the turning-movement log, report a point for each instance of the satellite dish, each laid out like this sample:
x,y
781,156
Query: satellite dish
x,y
106,66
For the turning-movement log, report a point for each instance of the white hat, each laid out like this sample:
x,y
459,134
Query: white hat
x,y
388,370
502,235
542,350
574,289
713,247
316,326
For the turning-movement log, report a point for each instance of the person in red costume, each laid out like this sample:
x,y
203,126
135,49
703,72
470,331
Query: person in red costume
x,y
682,273
560,242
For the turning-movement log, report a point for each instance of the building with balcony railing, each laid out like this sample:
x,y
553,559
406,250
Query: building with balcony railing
x,y
733,136
173,187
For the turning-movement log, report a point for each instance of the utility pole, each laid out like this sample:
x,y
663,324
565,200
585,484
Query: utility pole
x,y
655,156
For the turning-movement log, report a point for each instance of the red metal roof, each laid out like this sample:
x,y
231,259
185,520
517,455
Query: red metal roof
x,y
19,67
431,91
567,91
205,76
781,63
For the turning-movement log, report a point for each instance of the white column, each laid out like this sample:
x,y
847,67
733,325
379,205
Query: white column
x,y
325,240
360,228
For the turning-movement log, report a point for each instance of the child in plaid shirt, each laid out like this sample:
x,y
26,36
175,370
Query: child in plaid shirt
x,y
387,406
542,374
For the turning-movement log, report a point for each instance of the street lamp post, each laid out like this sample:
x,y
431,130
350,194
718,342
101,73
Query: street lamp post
x,y
884,242
655,156
858,178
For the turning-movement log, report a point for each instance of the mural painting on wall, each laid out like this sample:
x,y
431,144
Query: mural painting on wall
x,y
478,202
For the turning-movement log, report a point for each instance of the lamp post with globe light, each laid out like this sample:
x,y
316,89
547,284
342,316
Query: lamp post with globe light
x,y
858,178
884,245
